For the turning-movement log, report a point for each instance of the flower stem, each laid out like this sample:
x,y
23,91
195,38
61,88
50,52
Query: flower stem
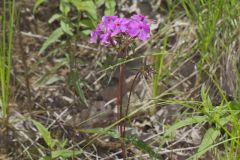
x,y
120,108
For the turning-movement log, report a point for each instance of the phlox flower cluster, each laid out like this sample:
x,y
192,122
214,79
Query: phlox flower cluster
x,y
111,27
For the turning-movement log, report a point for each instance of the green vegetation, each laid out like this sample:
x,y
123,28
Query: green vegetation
x,y
189,81
6,49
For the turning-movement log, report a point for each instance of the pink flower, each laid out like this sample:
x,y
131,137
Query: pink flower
x,y
111,26
133,28
139,17
105,38
139,29
120,25
95,34
108,19
94,37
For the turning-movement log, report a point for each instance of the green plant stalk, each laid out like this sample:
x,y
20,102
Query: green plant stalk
x,y
6,55
159,65
2,58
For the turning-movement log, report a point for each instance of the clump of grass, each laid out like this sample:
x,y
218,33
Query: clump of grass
x,y
216,25
6,47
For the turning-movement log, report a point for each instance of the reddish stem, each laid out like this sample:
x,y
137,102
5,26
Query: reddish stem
x,y
120,108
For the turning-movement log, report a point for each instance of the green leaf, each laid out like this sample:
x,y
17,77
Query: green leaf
x,y
64,7
86,23
50,77
45,134
102,131
66,28
203,93
62,143
234,105
87,6
110,6
45,158
38,3
54,18
185,122
52,39
100,2
65,153
208,139
80,92
86,32
141,145
91,9
53,79
77,4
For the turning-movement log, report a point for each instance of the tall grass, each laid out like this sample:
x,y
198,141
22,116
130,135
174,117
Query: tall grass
x,y
159,59
158,67
206,15
216,25
6,47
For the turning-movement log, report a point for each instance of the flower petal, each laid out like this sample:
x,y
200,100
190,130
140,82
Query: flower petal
x,y
94,37
143,36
